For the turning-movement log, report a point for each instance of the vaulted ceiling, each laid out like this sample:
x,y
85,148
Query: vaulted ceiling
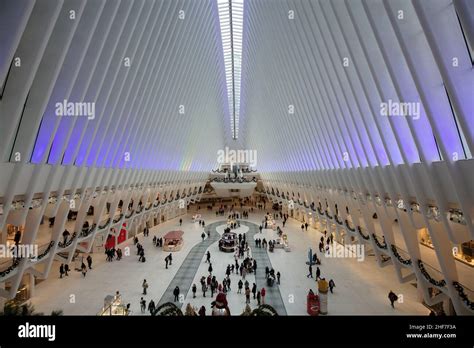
x,y
314,75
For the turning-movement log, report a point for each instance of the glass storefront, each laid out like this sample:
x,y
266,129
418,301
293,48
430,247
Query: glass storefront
x,y
463,252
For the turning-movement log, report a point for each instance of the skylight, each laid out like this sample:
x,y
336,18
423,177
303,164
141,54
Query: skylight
x,y
231,13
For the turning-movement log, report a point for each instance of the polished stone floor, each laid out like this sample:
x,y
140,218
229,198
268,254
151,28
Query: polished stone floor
x,y
361,287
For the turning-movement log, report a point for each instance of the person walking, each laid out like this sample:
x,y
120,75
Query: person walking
x,y
203,236
278,277
166,260
170,257
254,290
240,285
194,290
61,270
318,273
180,222
66,269
151,307
247,295
89,261
332,285
310,274
17,237
144,286
306,226
212,286
259,298
176,293
142,305
65,236
302,227
208,256
202,311
83,270
392,297
210,268
263,293
204,289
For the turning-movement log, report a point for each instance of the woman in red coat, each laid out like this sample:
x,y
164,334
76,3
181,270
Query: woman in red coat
x,y
263,292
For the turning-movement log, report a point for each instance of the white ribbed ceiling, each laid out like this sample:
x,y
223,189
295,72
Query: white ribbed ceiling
x,y
166,110
314,74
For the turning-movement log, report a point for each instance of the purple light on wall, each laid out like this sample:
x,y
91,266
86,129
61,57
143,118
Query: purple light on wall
x,y
42,139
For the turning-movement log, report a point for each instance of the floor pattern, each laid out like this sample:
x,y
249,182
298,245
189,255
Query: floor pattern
x,y
273,295
188,269
186,273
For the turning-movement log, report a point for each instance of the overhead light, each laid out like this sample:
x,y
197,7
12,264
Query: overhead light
x,y
231,17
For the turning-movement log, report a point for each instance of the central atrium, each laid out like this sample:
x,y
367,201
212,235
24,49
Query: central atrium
x,y
237,157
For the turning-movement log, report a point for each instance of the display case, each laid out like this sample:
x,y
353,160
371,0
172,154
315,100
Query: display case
x,y
462,252
173,241
113,306
228,242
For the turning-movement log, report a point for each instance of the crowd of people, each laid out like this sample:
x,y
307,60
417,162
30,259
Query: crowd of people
x,y
113,254
244,264
64,268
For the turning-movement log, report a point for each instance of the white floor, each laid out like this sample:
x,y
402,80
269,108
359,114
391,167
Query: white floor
x,y
361,287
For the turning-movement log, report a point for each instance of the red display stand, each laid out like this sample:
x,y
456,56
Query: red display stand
x,y
122,237
110,243
312,304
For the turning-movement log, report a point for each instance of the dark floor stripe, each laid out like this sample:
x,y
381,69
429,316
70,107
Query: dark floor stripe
x,y
273,295
188,269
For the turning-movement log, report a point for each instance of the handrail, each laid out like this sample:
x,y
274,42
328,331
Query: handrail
x,y
44,253
88,231
69,242
396,253
16,262
107,222
327,215
349,227
462,294
382,245
364,236
234,180
118,218
424,272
